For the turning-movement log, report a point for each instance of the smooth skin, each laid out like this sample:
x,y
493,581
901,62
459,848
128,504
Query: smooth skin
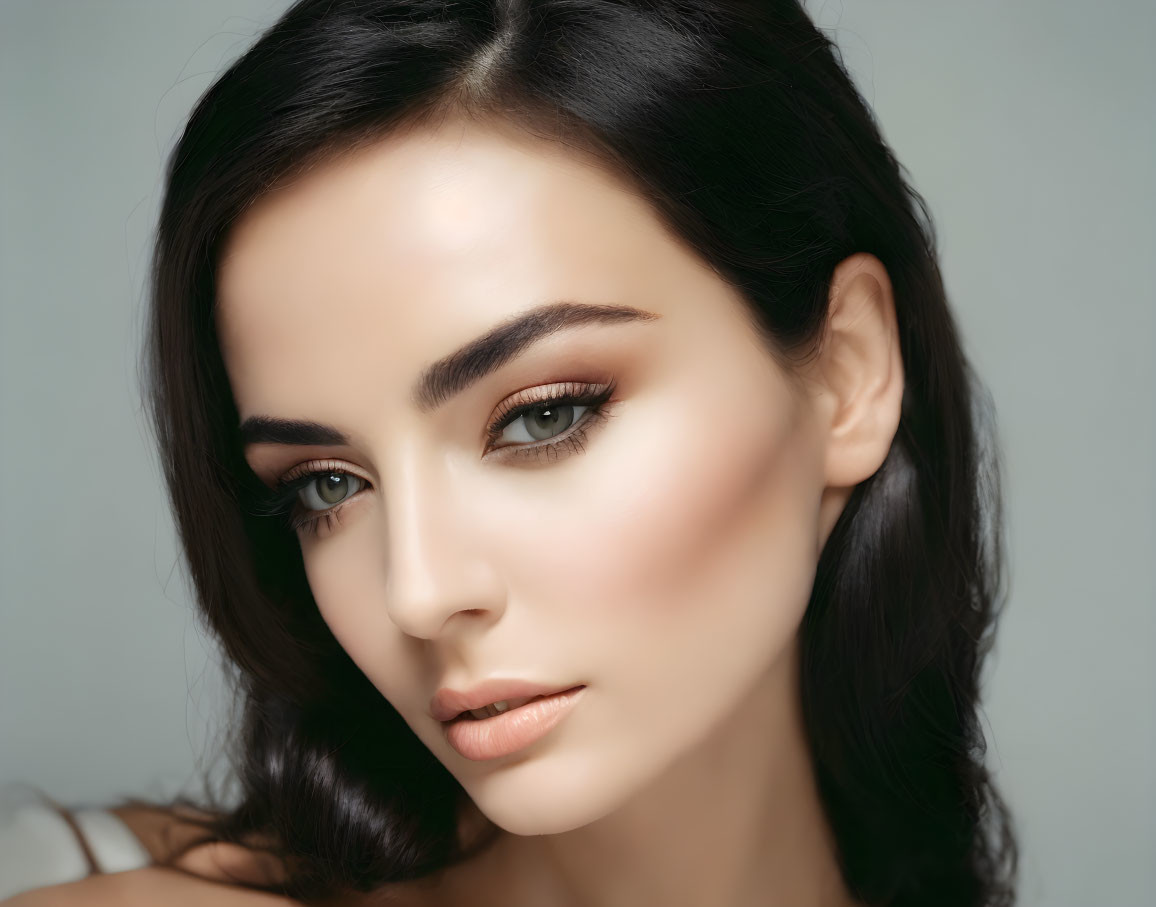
x,y
665,562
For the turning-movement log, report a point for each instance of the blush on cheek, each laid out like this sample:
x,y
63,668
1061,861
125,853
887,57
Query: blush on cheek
x,y
709,501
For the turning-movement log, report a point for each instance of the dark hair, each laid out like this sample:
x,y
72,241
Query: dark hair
x,y
737,121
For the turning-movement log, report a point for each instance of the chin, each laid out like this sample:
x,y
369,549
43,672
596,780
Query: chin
x,y
554,793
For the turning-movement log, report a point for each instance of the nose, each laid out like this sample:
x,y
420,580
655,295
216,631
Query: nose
x,y
438,580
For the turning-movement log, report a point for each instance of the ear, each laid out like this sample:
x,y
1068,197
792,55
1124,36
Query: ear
x,y
858,373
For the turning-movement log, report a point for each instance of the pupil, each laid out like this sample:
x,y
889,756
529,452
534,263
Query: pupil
x,y
332,488
548,421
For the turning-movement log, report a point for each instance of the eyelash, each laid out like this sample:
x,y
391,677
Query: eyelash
x,y
284,499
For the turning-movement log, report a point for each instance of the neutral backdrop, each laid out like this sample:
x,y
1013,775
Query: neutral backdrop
x,y
1029,126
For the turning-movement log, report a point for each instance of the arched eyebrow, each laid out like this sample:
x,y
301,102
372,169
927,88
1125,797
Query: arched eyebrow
x,y
458,371
453,374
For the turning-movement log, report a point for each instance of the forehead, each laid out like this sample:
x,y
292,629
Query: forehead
x,y
401,251
414,218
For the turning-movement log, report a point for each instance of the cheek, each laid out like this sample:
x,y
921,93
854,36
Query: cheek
x,y
678,531
346,577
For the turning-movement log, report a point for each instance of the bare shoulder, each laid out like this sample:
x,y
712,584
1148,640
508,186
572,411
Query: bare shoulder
x,y
149,886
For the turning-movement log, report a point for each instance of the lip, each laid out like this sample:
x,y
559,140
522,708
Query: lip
x,y
447,704
511,731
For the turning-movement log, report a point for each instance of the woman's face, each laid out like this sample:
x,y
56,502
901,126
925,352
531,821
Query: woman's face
x,y
656,543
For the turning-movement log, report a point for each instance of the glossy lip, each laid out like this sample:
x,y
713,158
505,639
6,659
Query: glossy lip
x,y
447,704
512,731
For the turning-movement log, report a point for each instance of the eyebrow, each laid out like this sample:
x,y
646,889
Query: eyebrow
x,y
458,371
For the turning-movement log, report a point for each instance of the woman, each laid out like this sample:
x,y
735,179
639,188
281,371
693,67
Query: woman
x,y
574,453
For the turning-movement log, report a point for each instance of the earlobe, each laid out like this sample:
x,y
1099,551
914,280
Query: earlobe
x,y
860,370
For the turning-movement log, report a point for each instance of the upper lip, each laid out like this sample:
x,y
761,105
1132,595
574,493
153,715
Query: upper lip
x,y
447,704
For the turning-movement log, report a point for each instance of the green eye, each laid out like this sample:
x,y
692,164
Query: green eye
x,y
542,422
328,489
562,411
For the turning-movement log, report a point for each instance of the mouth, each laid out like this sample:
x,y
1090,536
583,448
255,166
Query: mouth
x,y
493,732
504,705
490,698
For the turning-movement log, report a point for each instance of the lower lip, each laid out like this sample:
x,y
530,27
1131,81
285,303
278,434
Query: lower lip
x,y
500,735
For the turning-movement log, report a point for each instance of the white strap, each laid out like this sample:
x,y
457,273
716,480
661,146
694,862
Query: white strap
x,y
114,847
37,848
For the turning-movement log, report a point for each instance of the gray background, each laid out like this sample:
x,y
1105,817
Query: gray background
x,y
1029,126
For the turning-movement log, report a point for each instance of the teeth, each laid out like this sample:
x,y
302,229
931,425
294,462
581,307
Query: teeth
x,y
502,705
494,708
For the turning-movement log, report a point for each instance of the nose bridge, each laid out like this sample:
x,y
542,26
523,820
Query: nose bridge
x,y
434,568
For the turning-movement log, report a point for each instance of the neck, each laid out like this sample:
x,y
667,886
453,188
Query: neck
x,y
736,821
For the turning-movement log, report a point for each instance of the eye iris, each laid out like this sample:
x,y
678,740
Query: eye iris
x,y
332,488
547,421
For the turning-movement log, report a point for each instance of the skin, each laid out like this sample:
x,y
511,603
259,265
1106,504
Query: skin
x,y
666,563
